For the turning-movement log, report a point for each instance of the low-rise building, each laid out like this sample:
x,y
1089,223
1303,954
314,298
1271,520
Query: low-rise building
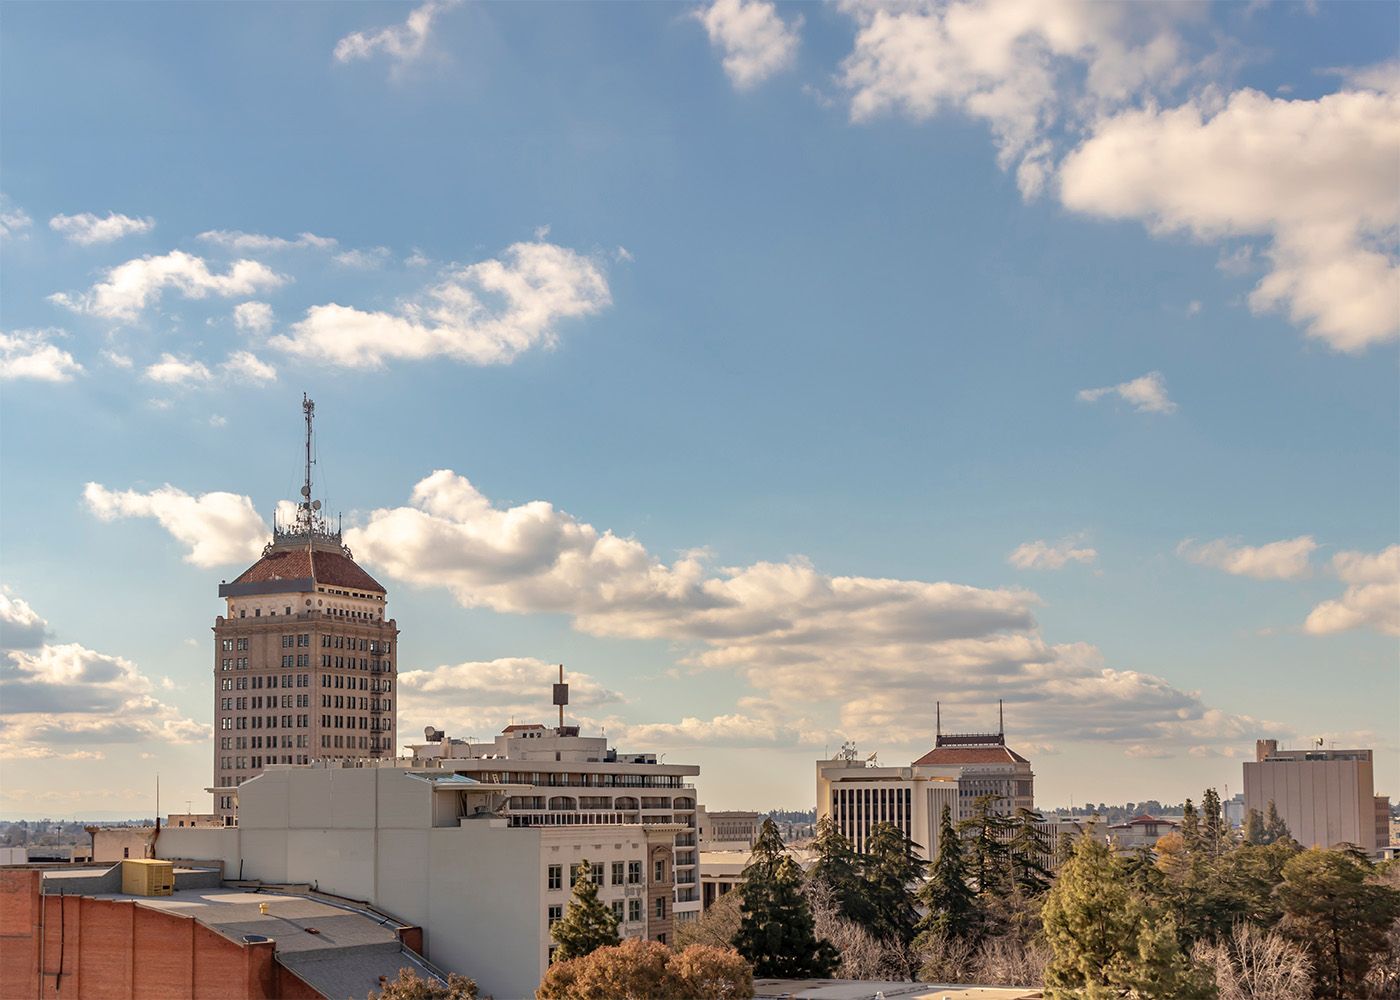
x,y
727,830
1140,831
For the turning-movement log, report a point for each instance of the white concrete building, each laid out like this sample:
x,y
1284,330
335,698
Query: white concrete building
x,y
959,769
440,850
563,779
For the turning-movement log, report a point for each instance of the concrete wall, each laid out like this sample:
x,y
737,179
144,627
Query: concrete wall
x,y
213,845
1324,802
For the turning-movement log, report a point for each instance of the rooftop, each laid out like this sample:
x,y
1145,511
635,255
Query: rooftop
x,y
326,566
971,755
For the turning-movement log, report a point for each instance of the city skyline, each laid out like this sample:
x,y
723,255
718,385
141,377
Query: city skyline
x,y
776,384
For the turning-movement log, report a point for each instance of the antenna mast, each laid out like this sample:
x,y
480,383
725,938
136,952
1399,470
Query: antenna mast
x,y
309,408
1001,719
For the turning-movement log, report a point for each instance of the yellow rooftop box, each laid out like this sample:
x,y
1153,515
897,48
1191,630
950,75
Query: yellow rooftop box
x,y
148,877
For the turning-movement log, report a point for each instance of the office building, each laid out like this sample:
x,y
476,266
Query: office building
x,y
304,655
1325,796
961,768
728,830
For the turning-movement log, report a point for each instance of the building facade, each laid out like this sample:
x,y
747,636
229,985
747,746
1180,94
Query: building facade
x,y
564,779
304,656
960,769
1326,797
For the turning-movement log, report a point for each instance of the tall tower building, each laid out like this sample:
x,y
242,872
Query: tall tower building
x,y
304,655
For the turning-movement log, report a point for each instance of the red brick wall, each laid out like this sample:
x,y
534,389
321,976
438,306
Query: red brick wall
x,y
119,949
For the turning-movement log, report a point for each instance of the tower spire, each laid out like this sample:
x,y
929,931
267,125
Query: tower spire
x,y
307,516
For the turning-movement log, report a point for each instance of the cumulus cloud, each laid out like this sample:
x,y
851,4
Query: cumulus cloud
x,y
59,700
87,229
14,221
244,366
241,242
1146,394
1282,560
1317,180
364,260
486,313
756,42
402,43
480,698
174,370
1021,66
255,317
218,529
1371,599
864,652
1040,554
30,354
129,288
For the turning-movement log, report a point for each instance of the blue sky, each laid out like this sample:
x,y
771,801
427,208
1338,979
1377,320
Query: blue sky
x,y
789,368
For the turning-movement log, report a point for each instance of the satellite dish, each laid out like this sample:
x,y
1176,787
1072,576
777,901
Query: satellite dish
x,y
315,505
306,491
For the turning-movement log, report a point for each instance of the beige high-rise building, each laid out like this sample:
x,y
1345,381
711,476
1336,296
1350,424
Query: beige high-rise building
x,y
304,655
1326,797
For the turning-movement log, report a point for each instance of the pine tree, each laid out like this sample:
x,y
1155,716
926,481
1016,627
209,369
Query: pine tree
x,y
1213,837
838,869
1030,851
1107,940
891,867
776,931
985,833
1275,829
587,923
951,903
1253,828
1190,827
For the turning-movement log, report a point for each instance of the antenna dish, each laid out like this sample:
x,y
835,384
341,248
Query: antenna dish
x,y
306,491
315,505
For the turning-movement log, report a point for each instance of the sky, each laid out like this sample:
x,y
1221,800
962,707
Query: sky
x,y
783,370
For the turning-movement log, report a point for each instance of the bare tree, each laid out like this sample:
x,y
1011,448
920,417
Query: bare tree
x,y
1253,964
1008,960
863,955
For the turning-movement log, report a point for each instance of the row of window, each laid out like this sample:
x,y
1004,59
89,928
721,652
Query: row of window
x,y
261,680
256,742
241,704
365,704
266,722
348,722
348,742
229,644
351,642
632,872
289,641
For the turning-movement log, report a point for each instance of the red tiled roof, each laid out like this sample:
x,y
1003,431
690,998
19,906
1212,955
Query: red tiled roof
x,y
332,569
970,755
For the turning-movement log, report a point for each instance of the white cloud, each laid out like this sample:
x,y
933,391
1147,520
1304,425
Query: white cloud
x,y
29,354
1022,66
131,287
244,366
402,43
858,654
1371,599
216,420
731,730
217,528
1146,393
365,260
485,313
117,359
241,242
174,370
1282,560
255,317
1315,179
87,229
14,221
756,42
1040,554
59,700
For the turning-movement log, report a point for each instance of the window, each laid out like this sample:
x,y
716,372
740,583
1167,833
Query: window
x,y
660,907
634,910
617,868
227,645
659,872
598,873
242,643
573,876
556,914
556,876
634,873
660,938
617,909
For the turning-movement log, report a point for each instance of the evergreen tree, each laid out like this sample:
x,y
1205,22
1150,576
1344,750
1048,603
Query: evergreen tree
x,y
1030,852
837,867
1253,828
951,903
587,924
1338,914
1275,829
776,931
1213,835
986,833
1190,827
891,868
1107,940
